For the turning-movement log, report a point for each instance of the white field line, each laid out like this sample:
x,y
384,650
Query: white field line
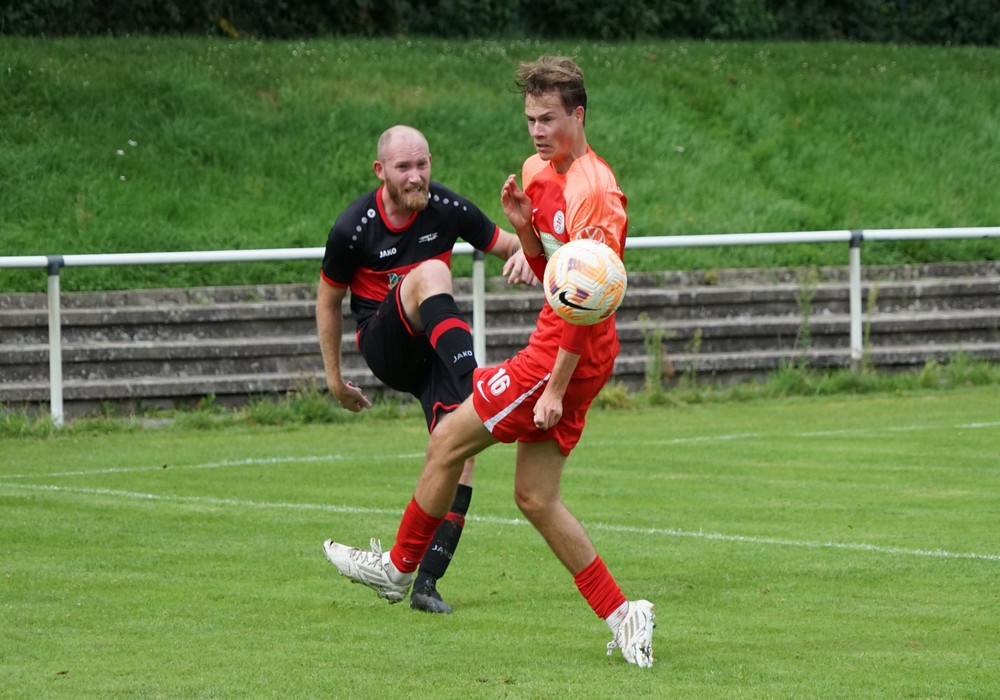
x,y
226,463
254,461
846,432
213,502
210,501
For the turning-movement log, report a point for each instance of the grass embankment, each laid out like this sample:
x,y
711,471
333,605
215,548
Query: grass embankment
x,y
163,144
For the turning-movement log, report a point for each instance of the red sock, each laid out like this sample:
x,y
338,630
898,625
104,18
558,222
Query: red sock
x,y
599,589
416,530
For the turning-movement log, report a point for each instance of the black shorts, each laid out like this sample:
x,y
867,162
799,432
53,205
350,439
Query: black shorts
x,y
405,361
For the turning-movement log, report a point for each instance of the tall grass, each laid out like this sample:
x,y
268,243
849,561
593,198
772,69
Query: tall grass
x,y
151,144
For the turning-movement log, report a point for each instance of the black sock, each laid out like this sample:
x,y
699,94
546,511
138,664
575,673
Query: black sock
x,y
450,336
445,542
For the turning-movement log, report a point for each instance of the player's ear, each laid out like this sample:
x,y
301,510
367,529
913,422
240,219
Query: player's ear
x,y
379,170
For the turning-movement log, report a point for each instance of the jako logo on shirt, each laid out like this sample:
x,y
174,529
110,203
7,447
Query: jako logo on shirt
x,y
386,253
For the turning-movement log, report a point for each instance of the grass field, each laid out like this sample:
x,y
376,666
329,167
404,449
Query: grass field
x,y
839,547
136,144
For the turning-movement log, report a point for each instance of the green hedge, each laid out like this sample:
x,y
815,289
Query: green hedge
x,y
974,22
733,19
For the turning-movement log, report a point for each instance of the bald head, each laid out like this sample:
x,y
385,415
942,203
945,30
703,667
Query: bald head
x,y
400,137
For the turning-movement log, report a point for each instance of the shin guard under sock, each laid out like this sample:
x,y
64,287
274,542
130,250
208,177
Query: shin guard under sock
x,y
450,336
445,542
599,589
416,530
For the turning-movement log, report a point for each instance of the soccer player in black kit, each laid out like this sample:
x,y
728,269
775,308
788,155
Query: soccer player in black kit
x,y
392,249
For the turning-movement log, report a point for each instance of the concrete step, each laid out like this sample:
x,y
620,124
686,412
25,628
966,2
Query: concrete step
x,y
729,368
164,391
780,299
149,323
218,312
213,356
163,347
160,298
748,333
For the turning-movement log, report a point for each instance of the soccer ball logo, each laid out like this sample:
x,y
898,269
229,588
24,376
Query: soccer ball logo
x,y
584,281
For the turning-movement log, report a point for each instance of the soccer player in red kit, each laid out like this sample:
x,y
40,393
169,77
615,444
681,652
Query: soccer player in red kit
x,y
539,398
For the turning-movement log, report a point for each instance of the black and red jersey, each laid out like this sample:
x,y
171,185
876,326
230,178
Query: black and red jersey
x,y
369,256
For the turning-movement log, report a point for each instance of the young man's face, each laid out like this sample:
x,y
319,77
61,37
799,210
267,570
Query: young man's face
x,y
553,131
406,171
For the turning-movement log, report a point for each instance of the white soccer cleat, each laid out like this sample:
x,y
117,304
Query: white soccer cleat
x,y
368,568
635,635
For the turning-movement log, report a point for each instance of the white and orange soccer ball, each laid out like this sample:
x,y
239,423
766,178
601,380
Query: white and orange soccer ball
x,y
585,281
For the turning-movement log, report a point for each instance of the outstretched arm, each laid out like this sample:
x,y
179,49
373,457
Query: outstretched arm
x,y
330,327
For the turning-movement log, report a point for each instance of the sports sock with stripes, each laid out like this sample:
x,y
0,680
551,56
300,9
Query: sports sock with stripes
x,y
450,336
445,542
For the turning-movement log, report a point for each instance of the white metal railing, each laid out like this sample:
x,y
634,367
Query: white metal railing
x,y
54,263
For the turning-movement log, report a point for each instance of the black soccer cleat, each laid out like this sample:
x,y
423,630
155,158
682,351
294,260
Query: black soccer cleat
x,y
425,597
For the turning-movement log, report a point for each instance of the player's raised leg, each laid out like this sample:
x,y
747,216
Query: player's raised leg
x,y
429,304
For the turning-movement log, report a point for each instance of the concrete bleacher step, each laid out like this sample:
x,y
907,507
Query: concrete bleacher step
x,y
164,347
731,367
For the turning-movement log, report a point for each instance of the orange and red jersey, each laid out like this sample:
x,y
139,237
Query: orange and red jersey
x,y
585,202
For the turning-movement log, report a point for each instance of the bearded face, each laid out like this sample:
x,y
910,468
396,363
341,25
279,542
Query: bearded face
x,y
408,195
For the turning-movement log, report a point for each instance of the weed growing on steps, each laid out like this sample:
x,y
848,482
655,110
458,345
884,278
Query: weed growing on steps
x,y
866,345
808,280
658,363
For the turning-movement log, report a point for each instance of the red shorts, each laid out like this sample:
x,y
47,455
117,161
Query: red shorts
x,y
504,397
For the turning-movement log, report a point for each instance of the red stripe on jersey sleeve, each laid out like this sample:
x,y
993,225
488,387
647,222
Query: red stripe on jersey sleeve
x,y
331,282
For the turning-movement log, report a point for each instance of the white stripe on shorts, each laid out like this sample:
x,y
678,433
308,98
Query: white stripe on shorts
x,y
491,423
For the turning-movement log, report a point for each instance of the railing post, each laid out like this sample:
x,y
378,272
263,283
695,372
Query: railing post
x,y
479,306
55,342
857,351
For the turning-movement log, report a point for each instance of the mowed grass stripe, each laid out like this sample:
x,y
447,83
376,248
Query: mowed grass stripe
x,y
292,459
214,502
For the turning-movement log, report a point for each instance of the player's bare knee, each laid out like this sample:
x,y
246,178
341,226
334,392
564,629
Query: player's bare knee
x,y
441,454
431,277
530,506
